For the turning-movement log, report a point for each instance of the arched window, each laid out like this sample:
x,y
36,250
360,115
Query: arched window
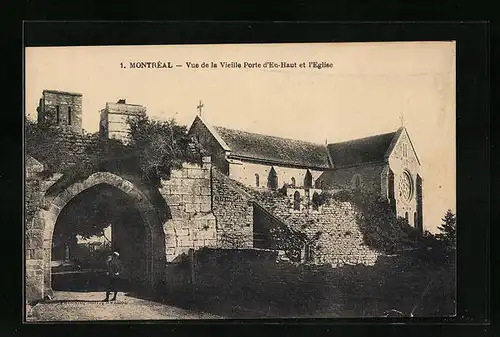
x,y
69,115
406,217
272,180
257,181
315,201
391,185
296,200
293,181
308,180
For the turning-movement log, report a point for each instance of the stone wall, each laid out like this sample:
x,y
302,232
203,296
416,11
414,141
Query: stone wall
x,y
233,210
35,187
335,223
192,223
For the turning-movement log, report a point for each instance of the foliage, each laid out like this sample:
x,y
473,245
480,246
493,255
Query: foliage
x,y
160,146
45,144
448,230
381,229
441,247
290,241
155,147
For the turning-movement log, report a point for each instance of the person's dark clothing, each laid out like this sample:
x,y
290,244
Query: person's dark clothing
x,y
114,275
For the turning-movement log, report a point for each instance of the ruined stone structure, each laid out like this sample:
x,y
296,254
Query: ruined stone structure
x,y
113,120
60,109
233,199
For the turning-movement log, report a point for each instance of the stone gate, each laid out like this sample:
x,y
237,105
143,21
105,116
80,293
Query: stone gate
x,y
188,224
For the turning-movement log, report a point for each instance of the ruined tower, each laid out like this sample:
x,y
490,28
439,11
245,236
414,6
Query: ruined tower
x,y
114,117
61,109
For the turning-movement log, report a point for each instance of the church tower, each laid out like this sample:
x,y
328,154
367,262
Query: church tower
x,y
61,109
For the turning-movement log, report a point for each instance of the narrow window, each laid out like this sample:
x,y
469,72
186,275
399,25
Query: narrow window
x,y
308,180
415,222
272,180
315,201
406,217
293,181
296,201
69,115
257,182
58,116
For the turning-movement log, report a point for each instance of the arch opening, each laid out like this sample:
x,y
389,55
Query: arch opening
x,y
92,225
122,195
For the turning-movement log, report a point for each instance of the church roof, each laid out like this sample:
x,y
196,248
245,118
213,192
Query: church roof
x,y
272,149
363,150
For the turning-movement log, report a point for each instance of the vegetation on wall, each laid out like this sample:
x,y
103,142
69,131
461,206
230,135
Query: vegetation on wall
x,y
154,149
160,146
381,229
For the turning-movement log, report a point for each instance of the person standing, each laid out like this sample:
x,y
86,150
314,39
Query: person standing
x,y
114,275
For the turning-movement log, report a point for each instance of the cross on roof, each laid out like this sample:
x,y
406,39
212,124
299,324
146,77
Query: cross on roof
x,y
402,119
199,107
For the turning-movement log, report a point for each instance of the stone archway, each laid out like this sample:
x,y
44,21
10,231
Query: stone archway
x,y
39,238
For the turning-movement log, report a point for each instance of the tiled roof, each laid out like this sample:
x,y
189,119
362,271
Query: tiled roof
x,y
274,149
362,150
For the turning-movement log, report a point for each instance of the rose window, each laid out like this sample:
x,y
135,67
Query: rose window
x,y
406,186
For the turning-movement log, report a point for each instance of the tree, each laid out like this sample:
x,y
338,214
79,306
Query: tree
x,y
448,229
160,146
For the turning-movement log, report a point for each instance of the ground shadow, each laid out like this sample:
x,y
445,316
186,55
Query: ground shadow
x,y
72,301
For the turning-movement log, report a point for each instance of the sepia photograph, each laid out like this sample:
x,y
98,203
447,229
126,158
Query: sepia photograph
x,y
237,181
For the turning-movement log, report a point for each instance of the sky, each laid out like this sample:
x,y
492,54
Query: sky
x,y
367,90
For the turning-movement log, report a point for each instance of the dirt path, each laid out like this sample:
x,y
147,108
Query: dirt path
x,y
73,306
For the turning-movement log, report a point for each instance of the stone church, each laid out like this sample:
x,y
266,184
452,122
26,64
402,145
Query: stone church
x,y
386,165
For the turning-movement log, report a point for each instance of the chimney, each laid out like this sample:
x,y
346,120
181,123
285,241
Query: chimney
x,y
122,101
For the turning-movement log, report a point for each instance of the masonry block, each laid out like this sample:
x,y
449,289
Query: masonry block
x,y
182,232
126,186
182,173
177,211
173,199
34,239
171,242
193,208
185,241
196,173
206,191
209,242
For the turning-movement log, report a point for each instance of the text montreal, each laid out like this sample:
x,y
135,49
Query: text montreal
x,y
157,64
